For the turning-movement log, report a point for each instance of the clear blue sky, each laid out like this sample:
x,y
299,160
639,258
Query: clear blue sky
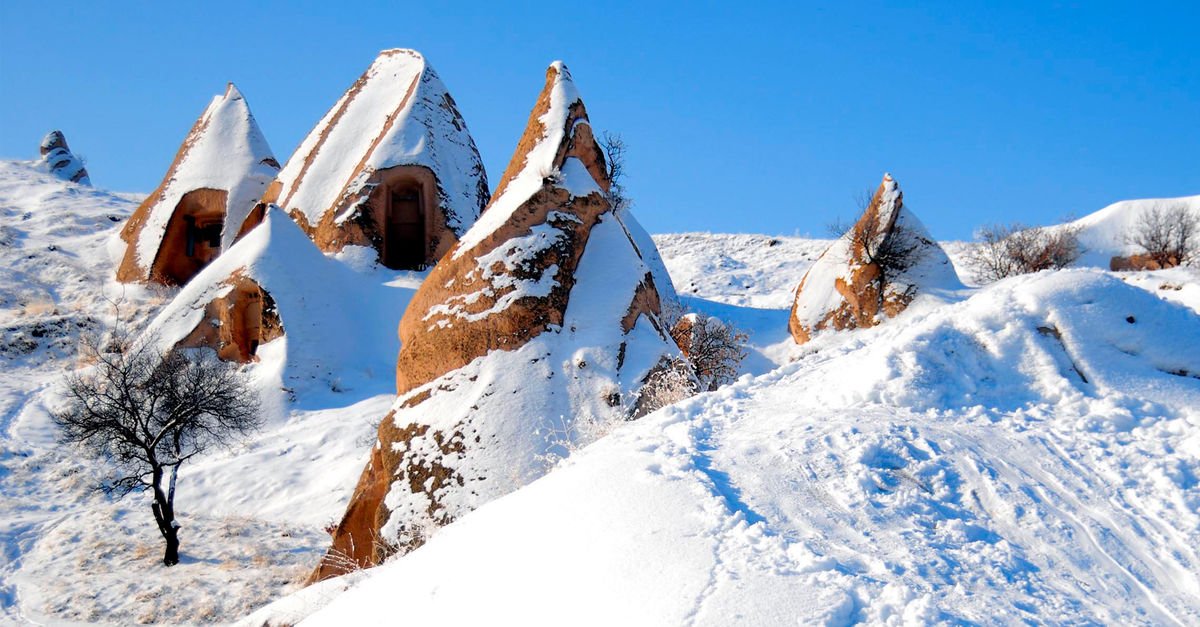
x,y
765,118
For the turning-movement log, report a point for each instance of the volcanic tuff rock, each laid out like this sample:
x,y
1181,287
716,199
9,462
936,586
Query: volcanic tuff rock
x,y
391,166
531,335
872,272
60,161
206,198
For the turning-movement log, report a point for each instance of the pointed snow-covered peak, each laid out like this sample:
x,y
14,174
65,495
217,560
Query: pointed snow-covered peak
x,y
398,113
58,159
873,271
557,147
223,167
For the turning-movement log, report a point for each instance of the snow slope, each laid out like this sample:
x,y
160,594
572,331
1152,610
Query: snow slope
x,y
962,466
252,516
1102,233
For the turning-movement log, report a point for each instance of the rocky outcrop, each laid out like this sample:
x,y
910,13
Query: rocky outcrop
x,y
206,199
537,329
1129,263
58,159
872,272
391,166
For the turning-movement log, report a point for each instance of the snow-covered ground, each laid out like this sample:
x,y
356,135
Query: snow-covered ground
x,y
1028,451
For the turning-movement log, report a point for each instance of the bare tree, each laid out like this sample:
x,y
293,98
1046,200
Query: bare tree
x,y
147,412
1169,235
1008,250
713,347
670,382
614,155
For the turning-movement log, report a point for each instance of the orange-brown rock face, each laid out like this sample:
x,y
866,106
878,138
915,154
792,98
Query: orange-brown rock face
x,y
219,173
872,272
542,314
391,167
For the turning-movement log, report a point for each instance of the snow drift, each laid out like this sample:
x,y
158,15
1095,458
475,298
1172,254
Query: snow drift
x,y
983,470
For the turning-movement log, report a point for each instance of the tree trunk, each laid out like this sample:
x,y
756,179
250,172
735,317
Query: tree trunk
x,y
164,515
171,557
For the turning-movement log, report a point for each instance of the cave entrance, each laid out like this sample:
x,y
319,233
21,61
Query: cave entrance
x,y
404,230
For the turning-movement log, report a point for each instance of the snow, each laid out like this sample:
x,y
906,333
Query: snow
x,y
398,113
539,163
913,496
60,161
1102,234
226,151
1019,452
525,409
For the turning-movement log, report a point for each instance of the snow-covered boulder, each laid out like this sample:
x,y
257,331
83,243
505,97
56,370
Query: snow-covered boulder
x,y
206,199
536,331
873,271
391,166
58,159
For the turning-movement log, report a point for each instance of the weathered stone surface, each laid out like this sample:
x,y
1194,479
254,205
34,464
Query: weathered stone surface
x,y
542,315
206,199
872,272
60,161
391,166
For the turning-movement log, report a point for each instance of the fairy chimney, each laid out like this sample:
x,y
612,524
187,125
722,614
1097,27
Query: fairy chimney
x,y
391,166
58,159
542,320
206,199
872,272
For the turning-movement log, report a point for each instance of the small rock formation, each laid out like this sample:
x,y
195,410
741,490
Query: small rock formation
x,y
60,161
872,272
540,326
206,200
1139,262
274,282
391,166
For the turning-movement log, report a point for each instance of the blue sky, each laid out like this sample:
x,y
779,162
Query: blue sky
x,y
765,118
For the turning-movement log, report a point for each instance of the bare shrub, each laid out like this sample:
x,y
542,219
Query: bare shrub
x,y
1008,250
1169,235
714,348
147,411
668,384
614,157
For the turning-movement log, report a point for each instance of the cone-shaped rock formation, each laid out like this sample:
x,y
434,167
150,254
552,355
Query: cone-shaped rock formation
x,y
872,272
60,161
540,326
274,282
205,201
390,166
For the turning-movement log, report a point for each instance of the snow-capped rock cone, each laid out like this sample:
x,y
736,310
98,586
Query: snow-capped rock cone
x,y
58,159
206,199
274,283
391,166
536,330
872,272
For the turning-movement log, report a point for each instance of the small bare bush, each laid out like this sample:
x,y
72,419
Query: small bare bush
x,y
1008,250
668,384
714,348
1169,235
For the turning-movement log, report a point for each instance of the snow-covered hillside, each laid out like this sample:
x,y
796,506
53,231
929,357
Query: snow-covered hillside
x,y
1027,451
1027,454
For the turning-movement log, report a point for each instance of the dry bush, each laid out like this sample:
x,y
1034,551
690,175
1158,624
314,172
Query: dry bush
x,y
668,384
1008,250
714,348
1169,235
